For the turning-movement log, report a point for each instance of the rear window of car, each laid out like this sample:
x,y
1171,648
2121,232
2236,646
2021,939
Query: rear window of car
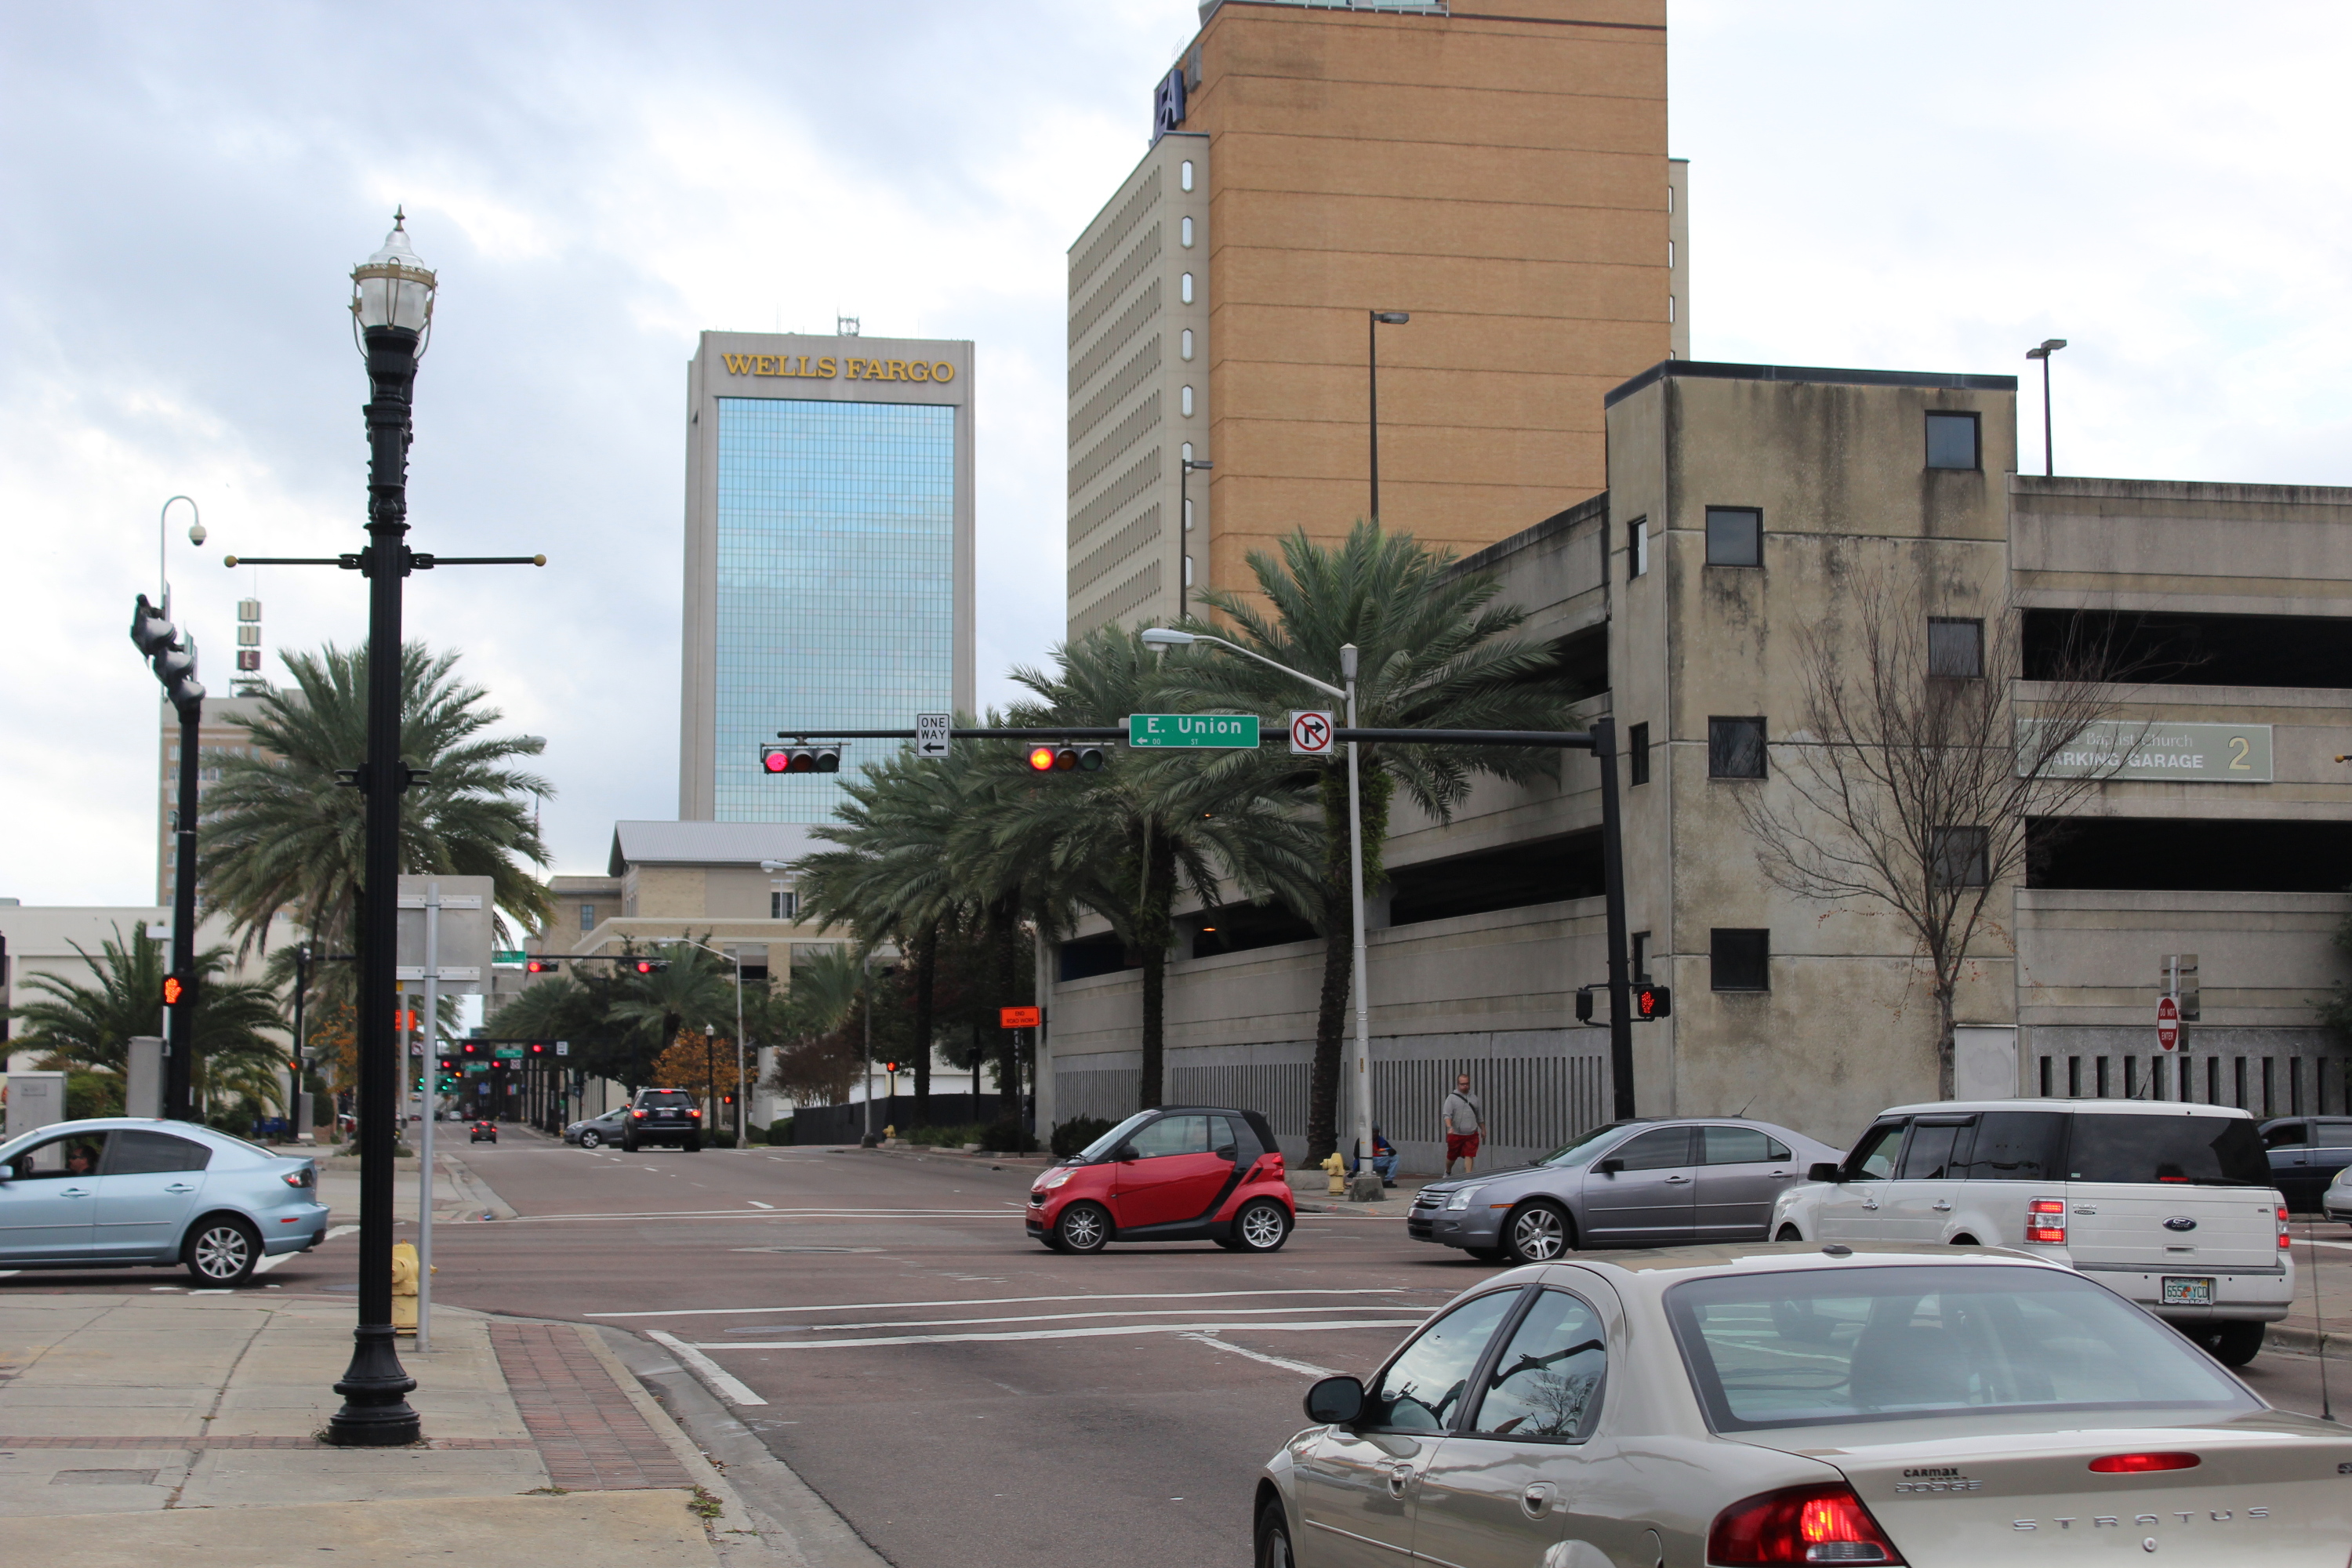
x,y
2199,1151
1827,1347
664,1098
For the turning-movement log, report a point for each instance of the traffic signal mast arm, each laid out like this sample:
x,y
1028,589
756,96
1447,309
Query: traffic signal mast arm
x,y
1566,740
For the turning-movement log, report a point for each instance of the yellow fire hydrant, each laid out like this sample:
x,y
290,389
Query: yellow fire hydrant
x,y
1337,1169
403,1287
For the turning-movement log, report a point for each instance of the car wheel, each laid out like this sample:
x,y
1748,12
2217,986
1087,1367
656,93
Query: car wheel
x,y
220,1251
591,1139
1273,1537
1789,1233
1538,1233
1263,1225
1083,1228
2232,1344
628,1144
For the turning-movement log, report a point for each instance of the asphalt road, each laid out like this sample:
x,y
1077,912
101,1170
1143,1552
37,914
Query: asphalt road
x,y
938,1377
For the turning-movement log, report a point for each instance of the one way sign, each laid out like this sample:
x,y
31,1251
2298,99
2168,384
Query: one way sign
x,y
1311,734
932,737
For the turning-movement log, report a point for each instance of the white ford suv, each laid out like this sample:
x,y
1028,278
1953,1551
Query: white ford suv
x,y
2168,1205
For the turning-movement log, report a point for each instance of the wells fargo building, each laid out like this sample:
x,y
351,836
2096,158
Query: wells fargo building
x,y
1501,179
828,554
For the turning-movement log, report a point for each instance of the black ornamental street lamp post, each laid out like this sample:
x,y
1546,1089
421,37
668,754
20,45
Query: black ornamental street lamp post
x,y
392,310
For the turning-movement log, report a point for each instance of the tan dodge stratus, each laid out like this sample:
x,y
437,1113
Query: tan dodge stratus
x,y
1917,1404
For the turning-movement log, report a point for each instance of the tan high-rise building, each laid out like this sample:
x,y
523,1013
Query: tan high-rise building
x,y
1500,180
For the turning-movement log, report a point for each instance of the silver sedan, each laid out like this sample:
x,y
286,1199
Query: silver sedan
x,y
594,1132
1647,1183
1926,1406
119,1190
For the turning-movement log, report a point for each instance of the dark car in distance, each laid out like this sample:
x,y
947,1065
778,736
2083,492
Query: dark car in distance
x,y
663,1116
484,1132
2306,1152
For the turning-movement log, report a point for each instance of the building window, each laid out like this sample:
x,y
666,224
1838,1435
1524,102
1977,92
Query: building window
x,y
1735,748
1184,402
1184,176
1637,548
1186,449
1952,441
1184,233
1670,309
1963,857
587,917
1740,960
1188,514
1637,752
1669,253
1735,536
1185,288
1955,647
783,905
1640,957
1188,571
1184,343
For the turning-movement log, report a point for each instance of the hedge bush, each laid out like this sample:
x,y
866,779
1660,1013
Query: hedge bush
x,y
1075,1134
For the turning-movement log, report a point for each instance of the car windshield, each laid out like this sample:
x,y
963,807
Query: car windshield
x,y
1115,1137
1825,1347
2197,1151
1584,1149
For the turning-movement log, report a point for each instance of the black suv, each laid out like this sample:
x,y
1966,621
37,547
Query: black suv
x,y
663,1116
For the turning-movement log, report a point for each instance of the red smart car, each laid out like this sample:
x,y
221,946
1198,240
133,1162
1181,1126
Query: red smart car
x,y
1182,1173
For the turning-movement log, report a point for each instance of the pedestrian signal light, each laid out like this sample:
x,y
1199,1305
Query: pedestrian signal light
x,y
1584,1004
800,758
1651,1002
175,989
1065,759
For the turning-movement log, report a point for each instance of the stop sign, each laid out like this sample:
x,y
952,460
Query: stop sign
x,y
2168,1023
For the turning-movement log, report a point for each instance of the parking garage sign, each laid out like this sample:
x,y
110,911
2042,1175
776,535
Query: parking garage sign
x,y
2154,749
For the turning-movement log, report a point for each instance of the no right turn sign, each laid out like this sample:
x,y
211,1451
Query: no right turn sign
x,y
1311,734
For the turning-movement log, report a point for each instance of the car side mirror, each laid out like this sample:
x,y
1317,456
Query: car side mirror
x,y
1610,1166
1335,1401
1825,1171
1123,1153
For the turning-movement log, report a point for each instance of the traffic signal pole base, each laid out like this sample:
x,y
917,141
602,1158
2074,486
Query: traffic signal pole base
x,y
375,1413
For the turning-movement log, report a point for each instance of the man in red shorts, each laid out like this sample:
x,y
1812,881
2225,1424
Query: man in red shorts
x,y
1466,1120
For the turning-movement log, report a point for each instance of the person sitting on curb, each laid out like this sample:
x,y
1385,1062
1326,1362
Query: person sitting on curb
x,y
1384,1158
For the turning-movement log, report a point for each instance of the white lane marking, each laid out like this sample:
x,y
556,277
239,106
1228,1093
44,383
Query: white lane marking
x,y
757,1204
1299,1367
272,1261
334,1231
10,1273
1390,1324
1114,1313
727,1387
1009,1302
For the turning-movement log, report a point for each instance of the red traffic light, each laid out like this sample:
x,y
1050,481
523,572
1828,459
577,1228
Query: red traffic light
x,y
1041,759
538,1047
539,965
646,965
889,1066
800,759
1065,759
175,989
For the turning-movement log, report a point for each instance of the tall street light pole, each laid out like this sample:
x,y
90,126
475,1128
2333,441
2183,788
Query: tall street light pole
x,y
1361,1097
1372,372
391,311
1185,469
2049,346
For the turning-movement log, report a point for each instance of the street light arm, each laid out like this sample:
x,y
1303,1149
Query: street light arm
x,y
1340,692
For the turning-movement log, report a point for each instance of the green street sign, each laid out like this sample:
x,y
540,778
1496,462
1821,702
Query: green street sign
x,y
506,1053
1222,730
508,955
477,1066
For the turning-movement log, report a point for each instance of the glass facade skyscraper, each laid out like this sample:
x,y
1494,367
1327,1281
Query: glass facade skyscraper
x,y
828,560
836,584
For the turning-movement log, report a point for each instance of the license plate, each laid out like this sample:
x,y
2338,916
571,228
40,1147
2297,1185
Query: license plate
x,y
2182,1291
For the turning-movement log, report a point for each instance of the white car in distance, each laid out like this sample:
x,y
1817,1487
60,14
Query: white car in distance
x,y
2168,1205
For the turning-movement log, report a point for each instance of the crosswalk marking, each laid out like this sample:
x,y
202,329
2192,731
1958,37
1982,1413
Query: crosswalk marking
x,y
1053,1317
1014,1301
1390,1324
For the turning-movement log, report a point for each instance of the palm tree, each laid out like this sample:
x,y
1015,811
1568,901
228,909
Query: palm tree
x,y
693,990
90,1025
284,834
1127,840
1434,651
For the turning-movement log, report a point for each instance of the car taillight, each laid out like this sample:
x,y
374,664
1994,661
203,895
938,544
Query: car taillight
x,y
694,1111
2140,1464
2285,1240
638,1114
2045,1220
1798,1525
301,1178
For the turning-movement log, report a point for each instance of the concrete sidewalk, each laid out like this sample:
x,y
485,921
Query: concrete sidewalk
x,y
183,1427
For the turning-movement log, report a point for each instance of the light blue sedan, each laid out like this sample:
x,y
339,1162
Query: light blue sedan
x,y
120,1190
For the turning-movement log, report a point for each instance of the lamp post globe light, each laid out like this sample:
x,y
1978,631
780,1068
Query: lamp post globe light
x,y
391,315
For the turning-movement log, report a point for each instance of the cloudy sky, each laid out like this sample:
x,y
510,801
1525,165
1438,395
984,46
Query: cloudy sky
x,y
184,188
